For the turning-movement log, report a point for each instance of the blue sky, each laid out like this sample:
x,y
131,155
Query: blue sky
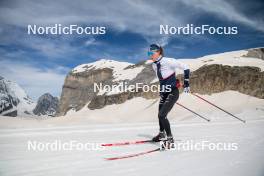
x,y
39,63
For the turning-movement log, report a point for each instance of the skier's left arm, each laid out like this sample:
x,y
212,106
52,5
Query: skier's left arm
x,y
186,70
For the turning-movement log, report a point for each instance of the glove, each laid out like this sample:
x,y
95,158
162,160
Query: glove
x,y
186,84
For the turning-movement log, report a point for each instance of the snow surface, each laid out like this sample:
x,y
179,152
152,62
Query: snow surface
x,y
234,58
16,159
136,119
143,110
119,71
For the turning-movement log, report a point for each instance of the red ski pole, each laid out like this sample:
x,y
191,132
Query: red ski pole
x,y
218,107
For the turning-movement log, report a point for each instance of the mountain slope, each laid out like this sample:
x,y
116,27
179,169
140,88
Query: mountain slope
x,y
240,71
14,100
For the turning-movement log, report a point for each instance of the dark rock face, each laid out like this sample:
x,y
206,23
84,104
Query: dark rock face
x,y
46,105
218,78
103,100
78,88
11,114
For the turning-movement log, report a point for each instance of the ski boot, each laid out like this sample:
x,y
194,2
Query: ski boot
x,y
160,137
170,142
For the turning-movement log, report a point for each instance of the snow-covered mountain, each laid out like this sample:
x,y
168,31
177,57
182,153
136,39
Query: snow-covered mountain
x,y
121,70
13,99
240,71
78,88
46,105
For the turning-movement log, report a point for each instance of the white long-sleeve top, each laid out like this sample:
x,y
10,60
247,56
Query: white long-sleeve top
x,y
168,66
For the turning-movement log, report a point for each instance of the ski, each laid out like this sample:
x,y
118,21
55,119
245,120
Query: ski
x,y
130,143
127,143
132,155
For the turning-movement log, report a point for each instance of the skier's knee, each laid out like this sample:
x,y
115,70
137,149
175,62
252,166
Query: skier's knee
x,y
162,115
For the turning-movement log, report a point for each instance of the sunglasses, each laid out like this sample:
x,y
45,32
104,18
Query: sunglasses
x,y
151,53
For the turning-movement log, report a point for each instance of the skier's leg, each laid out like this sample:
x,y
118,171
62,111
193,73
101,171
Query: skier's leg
x,y
161,135
165,109
163,97
161,126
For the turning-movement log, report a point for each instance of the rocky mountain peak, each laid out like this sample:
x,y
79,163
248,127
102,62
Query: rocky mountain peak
x,y
13,99
256,53
46,105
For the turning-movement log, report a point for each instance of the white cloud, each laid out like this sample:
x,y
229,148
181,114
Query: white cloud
x,y
90,42
179,47
34,80
138,16
225,11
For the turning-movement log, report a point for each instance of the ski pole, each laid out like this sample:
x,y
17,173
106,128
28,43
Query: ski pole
x,y
218,107
208,120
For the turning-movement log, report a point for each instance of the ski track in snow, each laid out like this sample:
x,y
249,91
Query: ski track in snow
x,y
247,160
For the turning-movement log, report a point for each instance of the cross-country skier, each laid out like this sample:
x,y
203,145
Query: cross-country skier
x,y
165,69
